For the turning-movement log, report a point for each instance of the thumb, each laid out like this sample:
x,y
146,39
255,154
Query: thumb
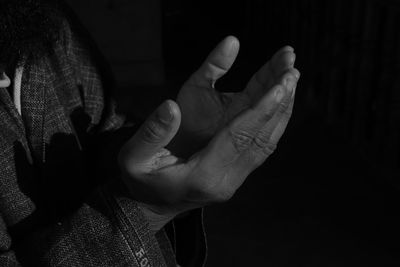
x,y
156,132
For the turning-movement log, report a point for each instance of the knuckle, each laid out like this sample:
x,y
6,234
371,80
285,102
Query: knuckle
x,y
288,112
263,145
269,149
215,68
284,105
241,139
266,117
152,132
261,141
285,108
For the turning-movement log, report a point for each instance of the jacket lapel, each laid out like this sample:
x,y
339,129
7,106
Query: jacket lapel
x,y
10,119
33,107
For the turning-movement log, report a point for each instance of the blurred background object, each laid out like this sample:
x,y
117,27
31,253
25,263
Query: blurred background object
x,y
329,196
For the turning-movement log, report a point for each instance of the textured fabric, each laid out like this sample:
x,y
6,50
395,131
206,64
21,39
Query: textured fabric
x,y
61,203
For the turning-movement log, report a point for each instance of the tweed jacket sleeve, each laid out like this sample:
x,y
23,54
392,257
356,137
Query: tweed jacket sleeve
x,y
60,203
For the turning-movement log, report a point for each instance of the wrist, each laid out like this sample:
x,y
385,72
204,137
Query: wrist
x,y
156,219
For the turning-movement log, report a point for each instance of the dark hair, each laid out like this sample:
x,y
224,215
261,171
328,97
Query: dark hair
x,y
28,29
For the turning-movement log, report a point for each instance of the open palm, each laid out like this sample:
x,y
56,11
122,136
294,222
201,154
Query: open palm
x,y
205,110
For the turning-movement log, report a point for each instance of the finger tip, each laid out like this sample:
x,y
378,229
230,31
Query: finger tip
x,y
290,58
287,48
232,42
293,72
172,105
297,73
174,109
284,59
232,38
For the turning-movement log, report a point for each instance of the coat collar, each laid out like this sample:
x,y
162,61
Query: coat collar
x,y
28,128
11,123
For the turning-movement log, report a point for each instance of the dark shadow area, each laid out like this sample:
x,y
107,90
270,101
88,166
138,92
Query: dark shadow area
x,y
60,184
329,195
75,166
315,202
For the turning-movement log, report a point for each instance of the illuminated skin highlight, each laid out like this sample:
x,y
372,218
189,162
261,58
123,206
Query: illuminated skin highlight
x,y
4,80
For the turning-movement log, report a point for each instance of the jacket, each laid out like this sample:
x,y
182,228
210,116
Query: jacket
x,y
61,201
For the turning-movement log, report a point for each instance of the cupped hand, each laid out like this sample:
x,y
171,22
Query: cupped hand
x,y
205,110
167,185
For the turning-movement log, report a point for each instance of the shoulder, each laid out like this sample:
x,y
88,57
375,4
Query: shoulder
x,y
73,43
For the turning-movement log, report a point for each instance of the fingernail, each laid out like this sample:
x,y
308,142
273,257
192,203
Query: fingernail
x,y
294,91
287,48
290,83
297,75
164,113
292,60
232,48
279,94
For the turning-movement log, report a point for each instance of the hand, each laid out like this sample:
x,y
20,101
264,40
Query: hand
x,y
205,110
167,185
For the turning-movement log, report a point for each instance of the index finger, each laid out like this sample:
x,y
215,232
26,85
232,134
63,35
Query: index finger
x,y
217,64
